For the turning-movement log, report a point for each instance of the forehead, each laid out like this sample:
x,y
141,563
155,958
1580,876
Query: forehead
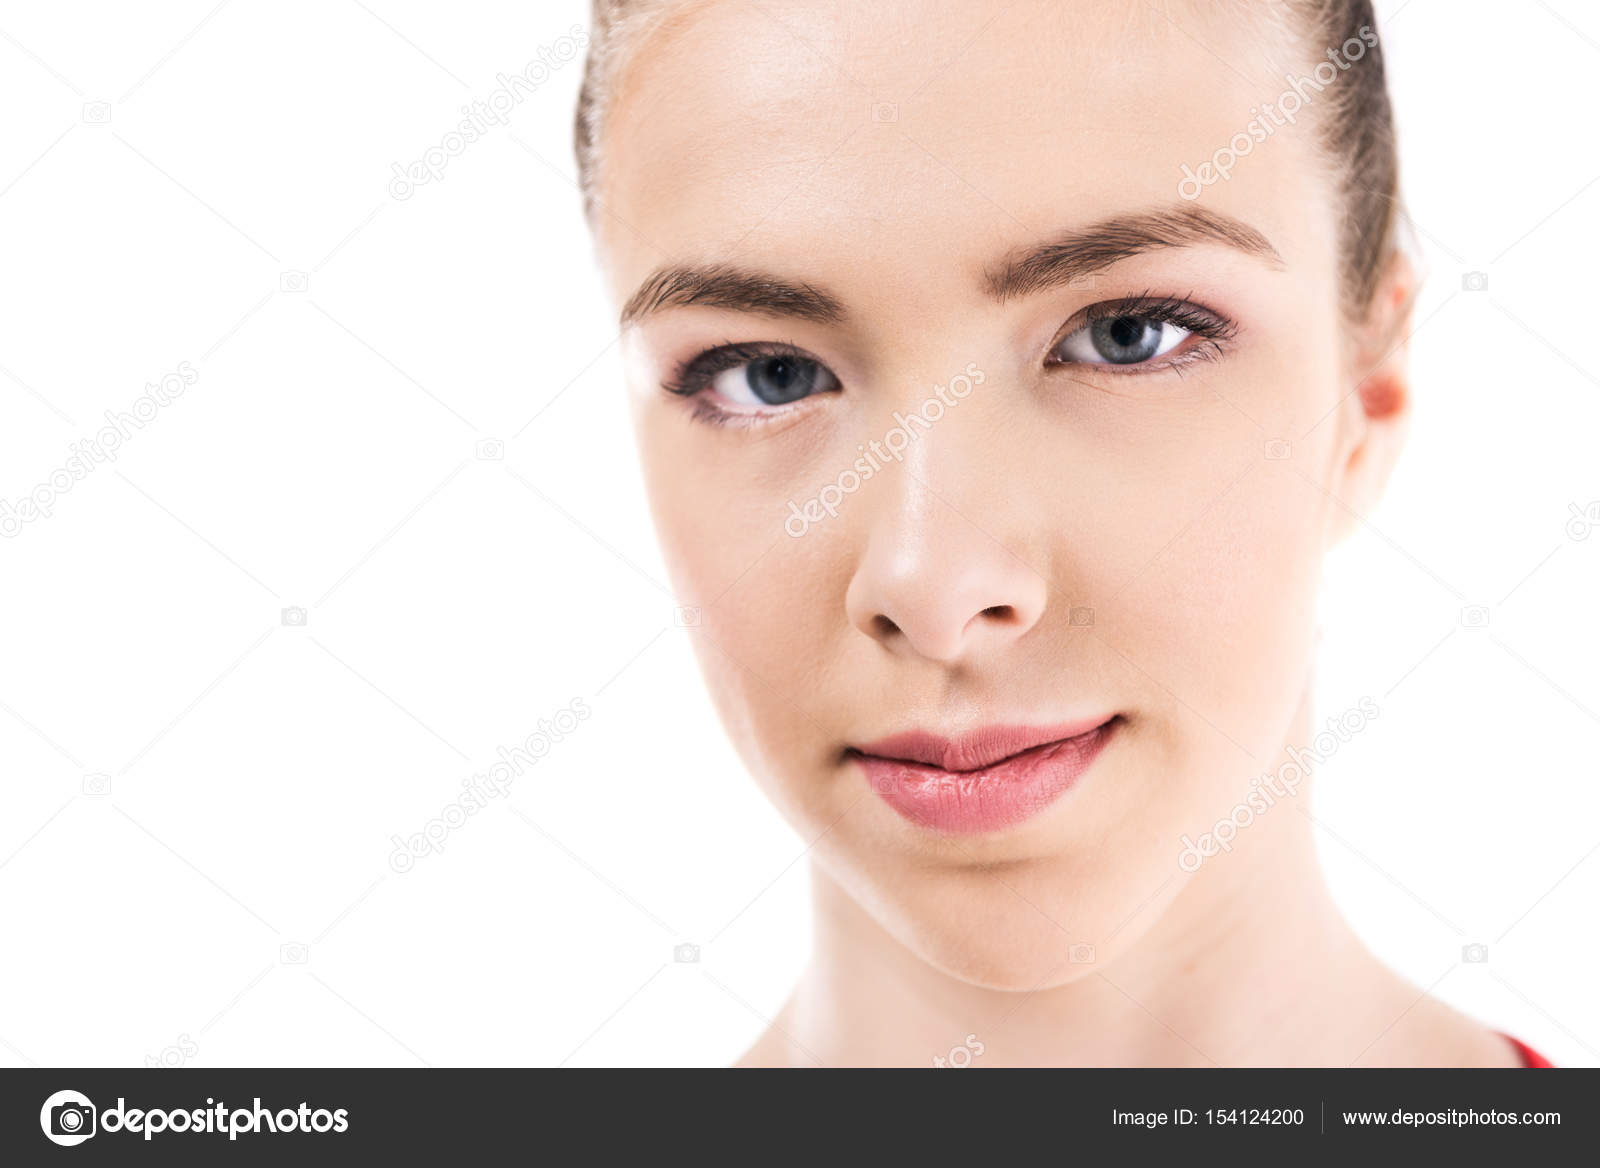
x,y
804,131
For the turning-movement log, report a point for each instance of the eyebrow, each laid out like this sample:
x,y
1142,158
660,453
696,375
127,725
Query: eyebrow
x,y
723,286
1081,253
1060,261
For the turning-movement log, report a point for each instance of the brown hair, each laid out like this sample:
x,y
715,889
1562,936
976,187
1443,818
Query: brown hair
x,y
1358,136
1356,123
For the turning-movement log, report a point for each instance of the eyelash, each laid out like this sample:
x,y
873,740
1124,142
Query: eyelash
x,y
695,375
698,372
1214,330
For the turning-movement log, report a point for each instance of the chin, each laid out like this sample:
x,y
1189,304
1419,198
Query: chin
x,y
1019,927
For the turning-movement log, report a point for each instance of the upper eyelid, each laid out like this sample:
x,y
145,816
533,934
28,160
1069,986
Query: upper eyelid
x,y
742,351
694,375
1160,307
1219,329
728,355
1216,325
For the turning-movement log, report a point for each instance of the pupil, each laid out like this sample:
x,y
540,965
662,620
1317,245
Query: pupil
x,y
776,380
779,373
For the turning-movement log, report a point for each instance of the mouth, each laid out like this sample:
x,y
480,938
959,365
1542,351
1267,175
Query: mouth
x,y
983,781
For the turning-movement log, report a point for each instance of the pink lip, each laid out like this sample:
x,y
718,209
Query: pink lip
x,y
982,781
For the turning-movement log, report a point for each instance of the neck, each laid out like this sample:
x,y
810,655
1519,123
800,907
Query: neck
x,y
1249,964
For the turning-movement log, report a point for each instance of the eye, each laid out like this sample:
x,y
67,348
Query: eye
x,y
772,381
752,379
1128,339
1131,334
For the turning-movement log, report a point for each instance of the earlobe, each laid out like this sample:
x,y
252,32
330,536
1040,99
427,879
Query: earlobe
x,y
1385,395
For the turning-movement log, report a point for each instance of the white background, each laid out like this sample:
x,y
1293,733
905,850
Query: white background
x,y
326,459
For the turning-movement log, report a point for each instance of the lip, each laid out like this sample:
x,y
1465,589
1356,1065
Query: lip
x,y
984,780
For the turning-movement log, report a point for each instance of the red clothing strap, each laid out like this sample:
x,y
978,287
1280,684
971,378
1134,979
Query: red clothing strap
x,y
1529,1056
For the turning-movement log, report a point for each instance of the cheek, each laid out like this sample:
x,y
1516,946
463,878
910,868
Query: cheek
x,y
768,608
1225,617
1206,553
713,514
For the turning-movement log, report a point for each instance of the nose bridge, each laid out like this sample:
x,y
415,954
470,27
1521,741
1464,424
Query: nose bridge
x,y
939,434
942,571
942,466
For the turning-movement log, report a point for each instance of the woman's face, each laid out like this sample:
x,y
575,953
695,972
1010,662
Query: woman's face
x,y
1106,524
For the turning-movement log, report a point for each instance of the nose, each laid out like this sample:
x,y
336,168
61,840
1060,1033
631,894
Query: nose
x,y
933,583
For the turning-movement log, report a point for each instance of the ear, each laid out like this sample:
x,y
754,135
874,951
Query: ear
x,y
1376,411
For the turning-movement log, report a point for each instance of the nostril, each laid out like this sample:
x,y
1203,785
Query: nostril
x,y
1000,612
883,626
